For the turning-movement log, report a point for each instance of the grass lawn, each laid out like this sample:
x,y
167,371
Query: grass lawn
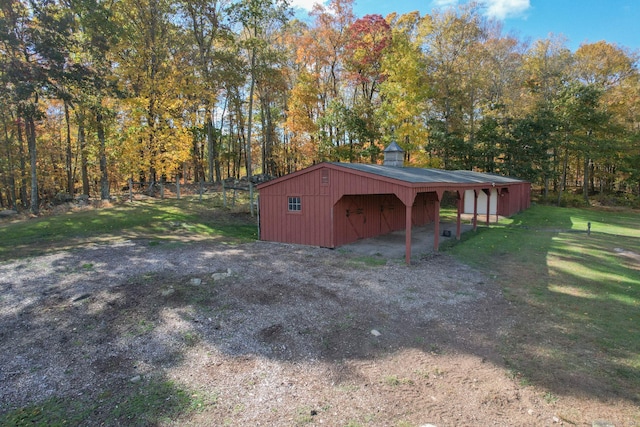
x,y
579,293
159,220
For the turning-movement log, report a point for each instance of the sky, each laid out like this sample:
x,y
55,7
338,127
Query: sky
x,y
579,21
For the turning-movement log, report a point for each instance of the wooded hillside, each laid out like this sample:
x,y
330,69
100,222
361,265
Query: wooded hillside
x,y
97,92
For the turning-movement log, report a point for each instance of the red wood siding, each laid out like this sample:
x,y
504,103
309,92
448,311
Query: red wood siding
x,y
514,198
376,205
310,226
424,209
361,217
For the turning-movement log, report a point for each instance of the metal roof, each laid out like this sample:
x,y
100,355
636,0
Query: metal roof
x,y
428,176
393,147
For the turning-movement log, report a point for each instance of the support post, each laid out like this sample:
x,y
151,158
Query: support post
x,y
475,210
436,234
458,222
408,234
130,190
178,186
488,206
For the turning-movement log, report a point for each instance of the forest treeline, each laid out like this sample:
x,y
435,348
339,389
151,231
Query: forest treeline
x,y
99,92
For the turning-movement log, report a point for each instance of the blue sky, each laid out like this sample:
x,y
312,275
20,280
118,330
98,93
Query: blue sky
x,y
580,21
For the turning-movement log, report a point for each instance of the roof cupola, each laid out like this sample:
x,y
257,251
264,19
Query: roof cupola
x,y
394,155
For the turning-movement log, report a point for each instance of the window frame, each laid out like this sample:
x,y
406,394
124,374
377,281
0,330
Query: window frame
x,y
294,201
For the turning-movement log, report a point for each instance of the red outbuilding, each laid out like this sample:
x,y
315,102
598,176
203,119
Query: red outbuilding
x,y
332,204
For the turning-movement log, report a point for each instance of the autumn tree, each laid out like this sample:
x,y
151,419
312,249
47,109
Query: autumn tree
x,y
405,89
256,19
369,37
153,67
450,41
35,38
303,104
215,63
546,69
604,68
322,53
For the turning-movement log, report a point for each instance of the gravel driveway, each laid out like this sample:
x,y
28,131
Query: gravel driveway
x,y
275,334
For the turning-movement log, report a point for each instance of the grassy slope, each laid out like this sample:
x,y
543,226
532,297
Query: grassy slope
x,y
151,219
579,293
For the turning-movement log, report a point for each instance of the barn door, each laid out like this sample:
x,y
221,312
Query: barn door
x,y
387,208
356,217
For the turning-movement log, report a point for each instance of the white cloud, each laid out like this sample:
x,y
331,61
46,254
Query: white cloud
x,y
304,4
445,3
498,9
501,9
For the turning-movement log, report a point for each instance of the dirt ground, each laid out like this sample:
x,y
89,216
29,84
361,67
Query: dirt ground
x,y
272,334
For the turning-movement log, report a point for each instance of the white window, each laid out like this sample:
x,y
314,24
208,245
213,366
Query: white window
x,y
294,204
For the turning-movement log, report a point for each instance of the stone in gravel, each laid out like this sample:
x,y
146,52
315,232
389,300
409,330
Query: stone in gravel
x,y
196,281
375,333
136,379
81,297
220,276
167,292
602,423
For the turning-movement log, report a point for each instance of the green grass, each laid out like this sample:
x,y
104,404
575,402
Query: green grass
x,y
580,292
158,220
142,404
368,260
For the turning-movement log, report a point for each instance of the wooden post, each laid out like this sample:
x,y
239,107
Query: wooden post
x,y
201,189
162,189
178,186
258,214
130,190
498,204
475,210
436,232
407,255
488,207
458,224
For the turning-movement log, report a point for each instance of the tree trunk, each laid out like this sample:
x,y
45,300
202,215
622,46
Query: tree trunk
x,y
82,145
31,144
241,139
265,132
68,154
210,148
11,181
104,176
216,157
250,115
585,181
555,169
563,184
546,188
23,167
592,176
214,152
